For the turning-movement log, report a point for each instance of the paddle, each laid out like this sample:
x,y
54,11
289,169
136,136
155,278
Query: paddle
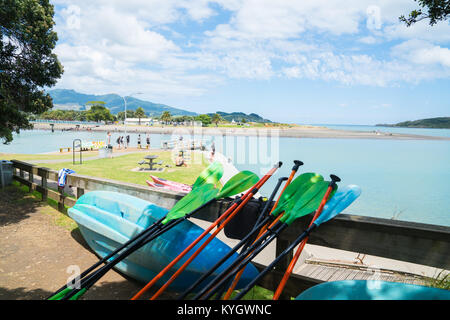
x,y
237,204
257,226
341,200
297,164
310,196
210,174
194,202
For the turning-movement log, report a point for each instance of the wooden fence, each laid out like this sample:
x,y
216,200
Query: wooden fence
x,y
418,243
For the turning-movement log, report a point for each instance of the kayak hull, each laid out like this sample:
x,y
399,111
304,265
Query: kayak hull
x,y
176,186
372,290
109,219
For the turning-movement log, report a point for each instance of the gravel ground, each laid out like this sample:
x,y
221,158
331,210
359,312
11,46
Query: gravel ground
x,y
39,247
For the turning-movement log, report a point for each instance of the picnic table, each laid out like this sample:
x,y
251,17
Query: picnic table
x,y
150,161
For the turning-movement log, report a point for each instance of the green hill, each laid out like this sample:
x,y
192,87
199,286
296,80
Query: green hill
x,y
238,116
437,123
70,99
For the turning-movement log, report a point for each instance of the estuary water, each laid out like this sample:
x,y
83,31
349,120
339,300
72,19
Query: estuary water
x,y
400,179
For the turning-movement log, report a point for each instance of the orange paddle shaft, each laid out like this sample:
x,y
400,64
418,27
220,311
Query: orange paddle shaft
x,y
239,274
185,251
294,260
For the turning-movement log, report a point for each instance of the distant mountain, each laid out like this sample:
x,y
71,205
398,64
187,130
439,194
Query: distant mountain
x,y
70,99
238,116
437,123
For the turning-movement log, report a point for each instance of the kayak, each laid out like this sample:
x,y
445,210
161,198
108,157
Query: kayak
x,y
109,219
176,186
161,186
372,290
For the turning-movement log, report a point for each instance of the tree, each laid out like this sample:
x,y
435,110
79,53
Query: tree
x,y
204,118
166,116
139,113
27,63
216,118
98,112
436,10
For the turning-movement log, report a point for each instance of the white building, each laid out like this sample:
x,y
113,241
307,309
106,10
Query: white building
x,y
144,121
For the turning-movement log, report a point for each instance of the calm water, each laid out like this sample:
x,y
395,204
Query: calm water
x,y
418,131
407,179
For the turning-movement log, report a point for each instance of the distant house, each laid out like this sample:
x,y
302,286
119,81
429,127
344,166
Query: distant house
x,y
144,121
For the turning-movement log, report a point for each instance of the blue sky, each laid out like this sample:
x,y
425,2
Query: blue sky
x,y
287,60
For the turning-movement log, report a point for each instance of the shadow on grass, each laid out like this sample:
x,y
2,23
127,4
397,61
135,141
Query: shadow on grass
x,y
16,205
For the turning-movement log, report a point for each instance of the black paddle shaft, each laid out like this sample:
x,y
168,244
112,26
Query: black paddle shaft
x,y
242,262
275,261
261,216
258,225
116,251
94,277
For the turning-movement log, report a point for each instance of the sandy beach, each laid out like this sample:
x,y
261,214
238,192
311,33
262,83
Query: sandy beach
x,y
293,132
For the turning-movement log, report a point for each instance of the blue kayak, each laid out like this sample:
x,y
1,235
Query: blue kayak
x,y
109,219
372,290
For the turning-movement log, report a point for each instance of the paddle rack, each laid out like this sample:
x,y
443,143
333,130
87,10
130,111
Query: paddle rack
x,y
77,144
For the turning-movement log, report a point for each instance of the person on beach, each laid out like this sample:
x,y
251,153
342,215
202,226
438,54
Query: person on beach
x,y
121,142
179,161
213,151
139,141
128,141
109,139
118,143
148,141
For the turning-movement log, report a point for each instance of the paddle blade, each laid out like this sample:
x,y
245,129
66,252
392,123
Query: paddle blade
x,y
340,201
237,184
308,202
191,201
293,191
211,174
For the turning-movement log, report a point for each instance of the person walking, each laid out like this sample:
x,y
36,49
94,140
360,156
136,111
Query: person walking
x,y
128,141
148,141
139,141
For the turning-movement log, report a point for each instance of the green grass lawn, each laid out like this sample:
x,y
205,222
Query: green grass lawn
x,y
120,168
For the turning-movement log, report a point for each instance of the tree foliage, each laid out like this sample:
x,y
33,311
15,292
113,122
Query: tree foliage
x,y
204,118
216,118
166,116
435,10
140,113
27,63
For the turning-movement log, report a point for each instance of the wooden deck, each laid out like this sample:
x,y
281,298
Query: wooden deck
x,y
322,271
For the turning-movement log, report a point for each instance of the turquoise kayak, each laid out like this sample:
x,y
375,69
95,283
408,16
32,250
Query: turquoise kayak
x,y
372,290
109,219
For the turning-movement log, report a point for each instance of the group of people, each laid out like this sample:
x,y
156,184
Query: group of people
x,y
120,142
124,142
147,140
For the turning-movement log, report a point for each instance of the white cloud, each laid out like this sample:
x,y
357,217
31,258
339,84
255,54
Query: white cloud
x,y
141,43
422,52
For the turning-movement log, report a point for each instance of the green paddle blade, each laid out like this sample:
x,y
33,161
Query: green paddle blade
x,y
237,184
211,174
308,202
191,201
60,294
294,190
